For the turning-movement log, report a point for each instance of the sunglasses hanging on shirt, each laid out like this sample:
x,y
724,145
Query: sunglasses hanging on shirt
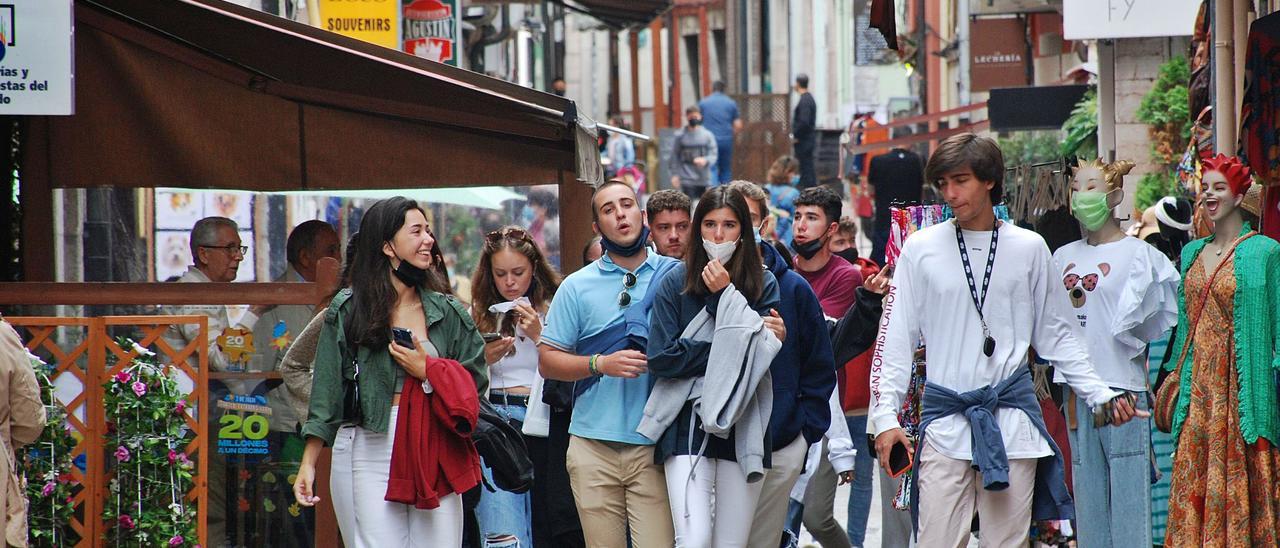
x,y
989,344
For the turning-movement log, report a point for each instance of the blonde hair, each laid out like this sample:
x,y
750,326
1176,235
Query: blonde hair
x,y
1113,173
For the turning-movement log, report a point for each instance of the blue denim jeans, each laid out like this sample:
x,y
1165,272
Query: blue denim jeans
x,y
1111,470
505,518
864,468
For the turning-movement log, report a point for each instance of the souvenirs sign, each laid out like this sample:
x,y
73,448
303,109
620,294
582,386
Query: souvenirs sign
x,y
374,21
35,57
432,30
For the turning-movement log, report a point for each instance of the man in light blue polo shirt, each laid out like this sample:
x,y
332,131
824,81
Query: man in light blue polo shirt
x,y
615,480
720,117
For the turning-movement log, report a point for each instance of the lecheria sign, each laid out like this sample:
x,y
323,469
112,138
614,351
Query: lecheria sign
x,y
35,57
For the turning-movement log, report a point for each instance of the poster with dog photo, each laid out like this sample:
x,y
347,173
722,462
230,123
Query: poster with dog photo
x,y
178,209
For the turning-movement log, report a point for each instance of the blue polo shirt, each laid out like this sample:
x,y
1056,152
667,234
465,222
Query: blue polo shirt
x,y
718,115
586,304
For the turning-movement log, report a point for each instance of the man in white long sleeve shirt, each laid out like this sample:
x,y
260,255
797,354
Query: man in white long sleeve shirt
x,y
979,323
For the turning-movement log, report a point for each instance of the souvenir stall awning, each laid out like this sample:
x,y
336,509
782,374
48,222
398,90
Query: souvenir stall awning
x,y
207,94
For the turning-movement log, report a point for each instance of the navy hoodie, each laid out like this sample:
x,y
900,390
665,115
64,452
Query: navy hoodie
x,y
804,371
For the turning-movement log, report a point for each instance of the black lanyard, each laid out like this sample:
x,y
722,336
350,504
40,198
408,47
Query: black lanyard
x,y
988,345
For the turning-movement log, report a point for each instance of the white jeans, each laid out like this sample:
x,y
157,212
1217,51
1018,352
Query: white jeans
x,y
358,479
715,507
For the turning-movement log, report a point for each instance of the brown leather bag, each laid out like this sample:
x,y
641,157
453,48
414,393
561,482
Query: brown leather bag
x,y
1166,404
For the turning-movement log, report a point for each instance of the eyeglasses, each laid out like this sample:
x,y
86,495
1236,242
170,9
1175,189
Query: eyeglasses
x,y
628,282
513,233
232,249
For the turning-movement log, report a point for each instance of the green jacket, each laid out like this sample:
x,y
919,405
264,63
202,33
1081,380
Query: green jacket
x,y
450,329
1257,336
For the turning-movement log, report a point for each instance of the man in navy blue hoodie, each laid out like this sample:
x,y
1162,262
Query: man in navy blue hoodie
x,y
803,374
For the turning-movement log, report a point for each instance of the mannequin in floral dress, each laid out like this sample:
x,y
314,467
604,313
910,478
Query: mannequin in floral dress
x,y
1225,489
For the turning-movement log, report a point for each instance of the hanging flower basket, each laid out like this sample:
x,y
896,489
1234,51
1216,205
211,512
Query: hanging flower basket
x,y
48,465
147,501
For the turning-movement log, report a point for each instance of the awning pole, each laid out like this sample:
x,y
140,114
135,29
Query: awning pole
x,y
1224,76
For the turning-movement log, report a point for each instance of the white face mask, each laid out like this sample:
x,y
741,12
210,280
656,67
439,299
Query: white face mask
x,y
720,251
755,231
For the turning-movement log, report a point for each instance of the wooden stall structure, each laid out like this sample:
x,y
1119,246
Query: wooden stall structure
x,y
88,365
206,94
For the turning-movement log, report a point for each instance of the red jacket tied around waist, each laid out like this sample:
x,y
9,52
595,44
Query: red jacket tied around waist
x,y
432,455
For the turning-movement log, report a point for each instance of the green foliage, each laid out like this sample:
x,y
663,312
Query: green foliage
x,y
1165,109
1167,101
51,485
146,416
1154,186
1030,147
1081,128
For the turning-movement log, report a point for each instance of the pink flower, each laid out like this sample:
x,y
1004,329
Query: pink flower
x,y
48,489
123,377
180,408
122,454
140,388
177,540
173,456
126,521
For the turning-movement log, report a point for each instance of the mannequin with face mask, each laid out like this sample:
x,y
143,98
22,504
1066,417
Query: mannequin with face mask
x,y
1220,400
1123,293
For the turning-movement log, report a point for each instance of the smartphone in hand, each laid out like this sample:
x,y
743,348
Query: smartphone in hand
x,y
490,337
402,337
899,460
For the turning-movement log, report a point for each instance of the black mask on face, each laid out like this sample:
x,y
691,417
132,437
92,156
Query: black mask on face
x,y
409,274
850,254
808,249
610,247
695,122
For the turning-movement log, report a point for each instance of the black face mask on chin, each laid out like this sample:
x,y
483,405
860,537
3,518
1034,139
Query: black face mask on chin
x,y
609,246
850,254
808,249
409,274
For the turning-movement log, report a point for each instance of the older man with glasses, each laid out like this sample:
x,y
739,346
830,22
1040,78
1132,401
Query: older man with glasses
x,y
216,252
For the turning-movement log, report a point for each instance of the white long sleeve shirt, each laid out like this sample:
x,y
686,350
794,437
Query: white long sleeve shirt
x,y
1025,307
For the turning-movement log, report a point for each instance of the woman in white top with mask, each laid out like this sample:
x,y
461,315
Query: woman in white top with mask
x,y
510,291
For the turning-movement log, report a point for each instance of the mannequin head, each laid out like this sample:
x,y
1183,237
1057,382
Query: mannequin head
x,y
1225,181
1097,188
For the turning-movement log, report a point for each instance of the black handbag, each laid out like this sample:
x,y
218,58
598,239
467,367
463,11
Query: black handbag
x,y
502,447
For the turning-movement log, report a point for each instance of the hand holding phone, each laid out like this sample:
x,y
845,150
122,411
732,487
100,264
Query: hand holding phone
x,y
403,337
490,337
894,450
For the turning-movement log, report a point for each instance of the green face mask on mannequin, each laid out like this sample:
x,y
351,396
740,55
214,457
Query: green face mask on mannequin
x,y
1090,208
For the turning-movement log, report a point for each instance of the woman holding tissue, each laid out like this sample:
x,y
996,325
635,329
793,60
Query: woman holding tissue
x,y
511,289
713,335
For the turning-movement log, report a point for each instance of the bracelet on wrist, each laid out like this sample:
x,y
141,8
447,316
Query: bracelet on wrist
x,y
593,366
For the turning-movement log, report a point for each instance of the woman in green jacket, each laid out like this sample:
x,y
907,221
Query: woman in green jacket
x,y
360,371
1225,489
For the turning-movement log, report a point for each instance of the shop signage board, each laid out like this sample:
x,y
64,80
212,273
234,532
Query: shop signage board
x,y
374,21
431,29
998,53
1087,19
35,57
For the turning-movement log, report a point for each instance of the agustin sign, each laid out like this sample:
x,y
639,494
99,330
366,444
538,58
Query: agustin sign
x,y
35,57
431,30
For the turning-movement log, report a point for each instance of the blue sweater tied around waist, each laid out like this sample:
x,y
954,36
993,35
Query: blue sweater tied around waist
x,y
1050,498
